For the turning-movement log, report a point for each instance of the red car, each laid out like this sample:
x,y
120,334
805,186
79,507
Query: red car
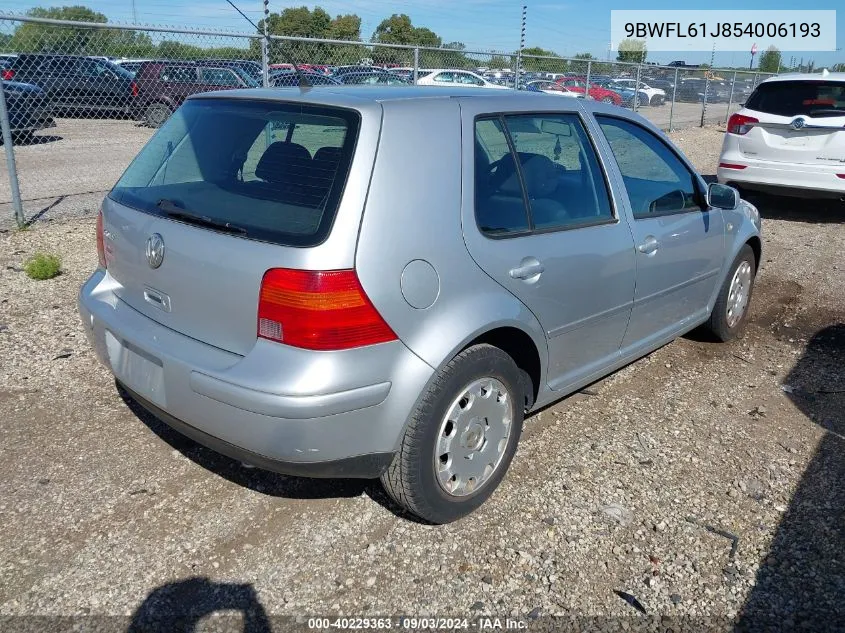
x,y
578,84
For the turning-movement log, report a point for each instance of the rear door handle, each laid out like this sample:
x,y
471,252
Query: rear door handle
x,y
528,269
649,245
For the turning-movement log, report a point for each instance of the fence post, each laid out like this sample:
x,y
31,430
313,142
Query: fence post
x,y
587,83
674,94
265,49
416,64
731,97
704,100
17,205
637,87
756,76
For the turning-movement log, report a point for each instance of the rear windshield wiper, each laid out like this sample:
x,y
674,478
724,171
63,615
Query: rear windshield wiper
x,y
178,213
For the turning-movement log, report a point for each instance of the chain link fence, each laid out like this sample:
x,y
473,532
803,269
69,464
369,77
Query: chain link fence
x,y
79,100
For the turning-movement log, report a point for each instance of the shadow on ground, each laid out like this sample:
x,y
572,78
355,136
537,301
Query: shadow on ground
x,y
801,583
256,479
178,607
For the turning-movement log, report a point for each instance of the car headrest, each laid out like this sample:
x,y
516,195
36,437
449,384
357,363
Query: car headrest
x,y
282,162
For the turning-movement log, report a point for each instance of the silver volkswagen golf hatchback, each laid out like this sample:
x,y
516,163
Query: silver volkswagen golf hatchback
x,y
382,282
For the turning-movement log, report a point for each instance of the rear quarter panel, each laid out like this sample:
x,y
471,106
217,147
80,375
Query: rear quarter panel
x,y
413,212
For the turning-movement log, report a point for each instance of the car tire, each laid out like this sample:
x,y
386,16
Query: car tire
x,y
607,100
441,488
155,114
730,312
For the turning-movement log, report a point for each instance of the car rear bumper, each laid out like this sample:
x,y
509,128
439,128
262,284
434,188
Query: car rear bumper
x,y
310,422
783,175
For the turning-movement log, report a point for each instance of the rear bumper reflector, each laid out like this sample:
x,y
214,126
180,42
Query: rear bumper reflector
x,y
732,166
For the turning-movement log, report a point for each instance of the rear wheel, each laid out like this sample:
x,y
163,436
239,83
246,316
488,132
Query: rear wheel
x,y
156,114
461,438
731,310
607,100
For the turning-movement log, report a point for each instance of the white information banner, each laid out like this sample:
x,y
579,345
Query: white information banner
x,y
687,30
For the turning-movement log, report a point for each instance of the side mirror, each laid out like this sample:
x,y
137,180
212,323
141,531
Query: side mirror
x,y
722,196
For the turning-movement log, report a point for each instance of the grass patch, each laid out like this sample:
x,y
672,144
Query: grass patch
x,y
43,266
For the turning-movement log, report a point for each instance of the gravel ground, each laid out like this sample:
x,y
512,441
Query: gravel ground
x,y
702,482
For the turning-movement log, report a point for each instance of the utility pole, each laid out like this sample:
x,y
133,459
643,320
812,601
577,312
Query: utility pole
x,y
265,47
521,46
134,13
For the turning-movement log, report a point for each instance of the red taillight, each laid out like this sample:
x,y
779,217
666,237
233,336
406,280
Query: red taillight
x,y
732,166
319,310
7,74
840,176
134,88
741,124
101,249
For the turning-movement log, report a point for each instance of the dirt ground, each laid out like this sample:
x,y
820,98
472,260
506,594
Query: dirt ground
x,y
704,484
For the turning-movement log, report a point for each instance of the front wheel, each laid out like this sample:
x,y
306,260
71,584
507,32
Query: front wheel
x,y
731,310
461,438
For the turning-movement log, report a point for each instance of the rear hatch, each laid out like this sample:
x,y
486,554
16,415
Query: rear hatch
x,y
225,190
798,121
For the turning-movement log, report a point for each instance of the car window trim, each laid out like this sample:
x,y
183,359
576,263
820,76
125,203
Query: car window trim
x,y
615,217
703,206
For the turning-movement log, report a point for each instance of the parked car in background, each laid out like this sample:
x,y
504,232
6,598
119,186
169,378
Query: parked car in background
x,y
287,78
646,95
276,283
551,88
690,90
373,79
131,65
627,93
666,85
356,68
163,86
76,85
28,108
243,67
455,78
594,91
789,137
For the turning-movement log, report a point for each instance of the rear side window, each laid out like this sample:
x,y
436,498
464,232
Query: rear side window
x,y
555,174
791,98
272,171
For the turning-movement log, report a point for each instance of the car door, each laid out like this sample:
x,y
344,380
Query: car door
x,y
543,225
679,240
57,78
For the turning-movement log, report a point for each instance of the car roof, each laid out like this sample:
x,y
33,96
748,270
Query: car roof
x,y
806,77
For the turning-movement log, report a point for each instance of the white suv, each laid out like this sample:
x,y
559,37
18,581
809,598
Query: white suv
x,y
789,137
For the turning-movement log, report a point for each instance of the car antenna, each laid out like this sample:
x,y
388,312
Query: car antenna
x,y
303,80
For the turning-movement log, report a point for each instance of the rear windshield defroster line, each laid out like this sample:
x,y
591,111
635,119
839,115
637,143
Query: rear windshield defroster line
x,y
265,170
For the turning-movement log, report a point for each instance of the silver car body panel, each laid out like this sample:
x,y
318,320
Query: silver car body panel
x,y
424,264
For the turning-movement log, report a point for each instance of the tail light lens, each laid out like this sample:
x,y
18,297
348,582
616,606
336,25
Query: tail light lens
x,y
741,124
101,249
7,74
319,310
732,166
134,88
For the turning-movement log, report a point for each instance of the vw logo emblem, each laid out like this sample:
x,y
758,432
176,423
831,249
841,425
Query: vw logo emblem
x,y
155,250
798,123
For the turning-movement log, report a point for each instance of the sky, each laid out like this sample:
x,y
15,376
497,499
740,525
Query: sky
x,y
564,26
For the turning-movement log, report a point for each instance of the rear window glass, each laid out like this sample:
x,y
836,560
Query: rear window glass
x,y
791,98
269,171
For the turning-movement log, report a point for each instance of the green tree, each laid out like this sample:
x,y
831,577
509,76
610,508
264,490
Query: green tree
x,y
44,38
633,51
398,29
345,27
533,60
838,68
770,60
31,37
